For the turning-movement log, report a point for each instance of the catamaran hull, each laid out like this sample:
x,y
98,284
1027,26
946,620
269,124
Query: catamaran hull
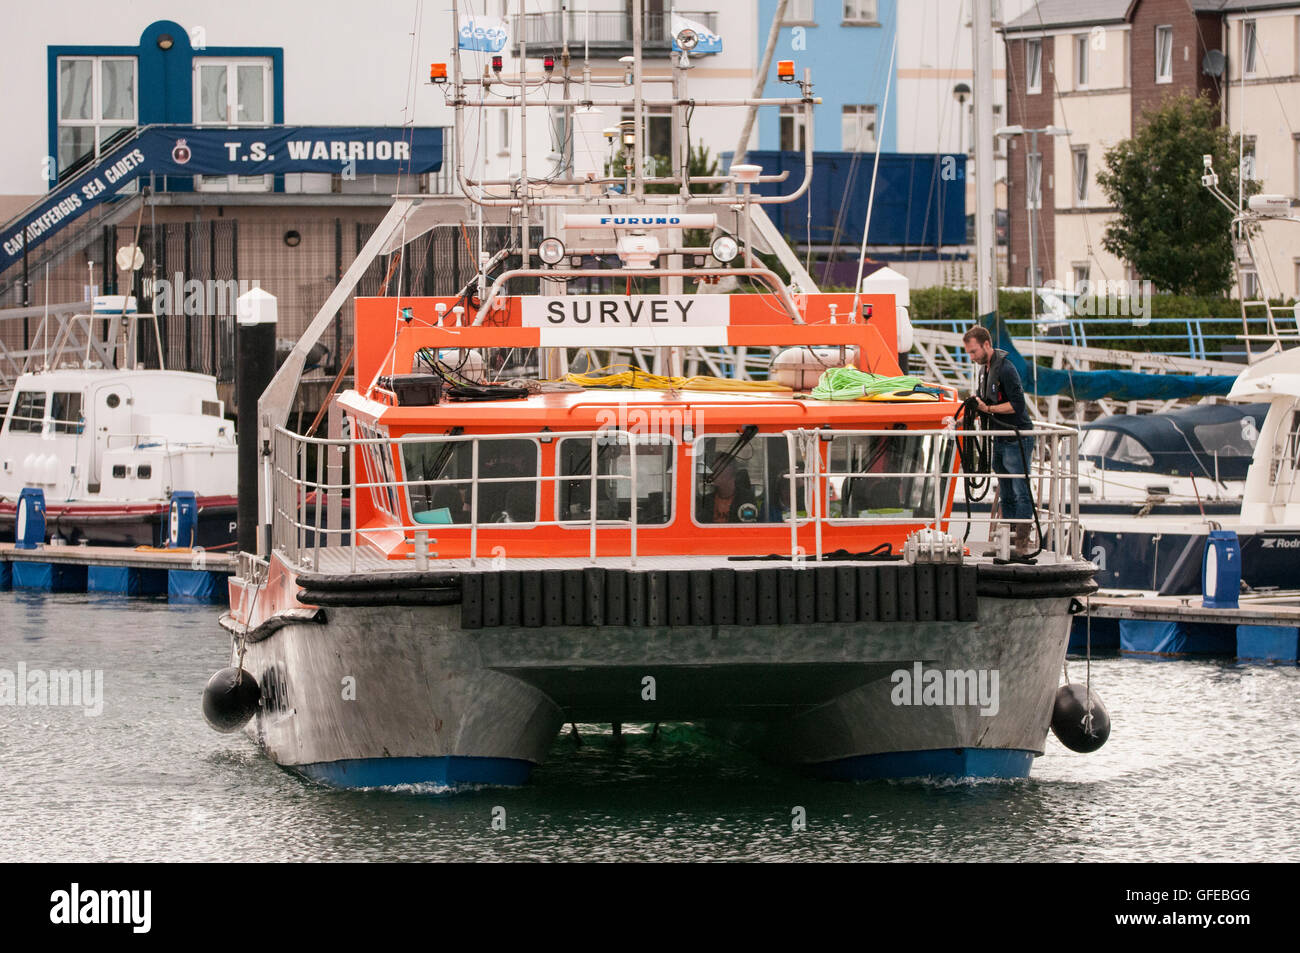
x,y
371,696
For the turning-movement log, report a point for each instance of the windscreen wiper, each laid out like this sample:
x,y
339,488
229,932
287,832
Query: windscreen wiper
x,y
728,457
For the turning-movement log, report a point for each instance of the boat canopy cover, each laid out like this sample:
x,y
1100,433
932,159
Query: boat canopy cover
x,y
1183,442
1115,385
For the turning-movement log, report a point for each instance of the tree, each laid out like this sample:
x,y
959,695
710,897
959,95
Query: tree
x,y
1169,227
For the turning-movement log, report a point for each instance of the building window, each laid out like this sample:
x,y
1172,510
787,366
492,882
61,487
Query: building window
x,y
858,129
799,11
1034,180
503,148
1164,54
859,11
1080,156
794,129
1081,272
97,105
1081,61
1295,158
1249,46
229,94
656,137
1249,167
1249,286
1033,66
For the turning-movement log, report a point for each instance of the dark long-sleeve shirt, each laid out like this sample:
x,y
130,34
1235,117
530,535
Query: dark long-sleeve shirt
x,y
999,383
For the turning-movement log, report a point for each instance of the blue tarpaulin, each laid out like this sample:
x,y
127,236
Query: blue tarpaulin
x,y
1116,385
1268,643
920,201
1151,637
51,577
196,585
126,580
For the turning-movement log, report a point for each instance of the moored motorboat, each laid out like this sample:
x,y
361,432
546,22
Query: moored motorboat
x,y
531,546
107,441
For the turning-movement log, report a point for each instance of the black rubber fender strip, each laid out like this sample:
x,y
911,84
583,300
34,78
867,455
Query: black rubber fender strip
x,y
1000,589
389,597
1034,572
270,626
375,581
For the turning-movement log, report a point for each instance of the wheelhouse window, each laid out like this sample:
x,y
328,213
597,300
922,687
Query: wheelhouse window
x,y
29,412
442,481
886,476
748,481
1232,438
612,463
1115,448
66,413
1164,54
97,106
377,465
1033,66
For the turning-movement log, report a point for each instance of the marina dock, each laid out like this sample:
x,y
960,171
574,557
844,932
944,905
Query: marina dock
x,y
182,575
1261,628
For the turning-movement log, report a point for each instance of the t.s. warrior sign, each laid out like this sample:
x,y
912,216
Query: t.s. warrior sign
x,y
191,150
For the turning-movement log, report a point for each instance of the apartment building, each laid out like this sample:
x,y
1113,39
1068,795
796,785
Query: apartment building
x,y
1091,67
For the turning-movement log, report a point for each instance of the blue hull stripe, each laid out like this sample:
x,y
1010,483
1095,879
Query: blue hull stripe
x,y
450,772
942,762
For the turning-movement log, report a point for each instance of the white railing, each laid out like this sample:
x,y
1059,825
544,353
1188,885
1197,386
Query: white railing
x,y
303,494
1053,478
299,503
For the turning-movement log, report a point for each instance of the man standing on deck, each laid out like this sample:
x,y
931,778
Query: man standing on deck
x,y
1001,398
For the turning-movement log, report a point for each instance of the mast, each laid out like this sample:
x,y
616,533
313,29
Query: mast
x,y
986,275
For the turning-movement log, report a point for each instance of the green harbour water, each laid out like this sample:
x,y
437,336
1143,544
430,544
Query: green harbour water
x,y
1202,764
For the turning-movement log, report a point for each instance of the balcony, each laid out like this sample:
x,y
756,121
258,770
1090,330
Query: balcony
x,y
606,34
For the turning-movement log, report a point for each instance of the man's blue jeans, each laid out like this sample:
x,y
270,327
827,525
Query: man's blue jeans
x,y
1013,490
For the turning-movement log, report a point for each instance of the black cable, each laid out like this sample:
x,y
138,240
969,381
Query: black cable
x,y
459,387
974,450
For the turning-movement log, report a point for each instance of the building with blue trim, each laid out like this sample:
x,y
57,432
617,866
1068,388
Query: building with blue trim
x,y
846,44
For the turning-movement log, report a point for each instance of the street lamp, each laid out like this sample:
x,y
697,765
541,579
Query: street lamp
x,y
960,92
1006,132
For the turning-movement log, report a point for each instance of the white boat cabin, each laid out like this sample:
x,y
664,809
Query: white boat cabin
x,y
116,435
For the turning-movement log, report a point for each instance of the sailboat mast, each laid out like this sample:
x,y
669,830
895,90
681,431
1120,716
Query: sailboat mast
x,y
986,274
